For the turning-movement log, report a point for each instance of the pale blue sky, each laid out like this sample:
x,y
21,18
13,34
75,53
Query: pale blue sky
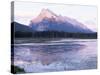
x,y
26,11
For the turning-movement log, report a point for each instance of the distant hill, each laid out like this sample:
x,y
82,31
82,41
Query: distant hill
x,y
20,30
20,27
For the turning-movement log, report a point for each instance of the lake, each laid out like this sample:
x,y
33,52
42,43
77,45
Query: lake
x,y
36,55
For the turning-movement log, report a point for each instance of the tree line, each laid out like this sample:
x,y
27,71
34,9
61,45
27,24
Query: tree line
x,y
53,34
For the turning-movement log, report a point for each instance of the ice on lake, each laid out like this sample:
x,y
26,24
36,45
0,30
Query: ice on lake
x,y
55,55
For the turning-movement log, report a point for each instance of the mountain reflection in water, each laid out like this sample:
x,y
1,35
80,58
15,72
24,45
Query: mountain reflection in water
x,y
69,54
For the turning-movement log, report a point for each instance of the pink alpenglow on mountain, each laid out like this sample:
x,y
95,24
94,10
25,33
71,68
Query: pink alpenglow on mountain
x,y
45,13
49,21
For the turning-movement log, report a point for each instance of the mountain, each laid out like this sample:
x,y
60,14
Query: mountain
x,y
20,27
49,21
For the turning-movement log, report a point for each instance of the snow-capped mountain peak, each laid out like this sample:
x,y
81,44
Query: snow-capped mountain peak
x,y
45,13
49,21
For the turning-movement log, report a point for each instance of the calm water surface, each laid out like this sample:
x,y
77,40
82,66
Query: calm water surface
x,y
59,55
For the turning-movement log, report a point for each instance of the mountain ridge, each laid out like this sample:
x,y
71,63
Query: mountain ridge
x,y
20,27
49,21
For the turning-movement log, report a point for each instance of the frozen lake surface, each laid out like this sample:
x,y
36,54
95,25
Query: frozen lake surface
x,y
55,55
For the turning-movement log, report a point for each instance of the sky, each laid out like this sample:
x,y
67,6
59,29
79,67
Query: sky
x,y
24,12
